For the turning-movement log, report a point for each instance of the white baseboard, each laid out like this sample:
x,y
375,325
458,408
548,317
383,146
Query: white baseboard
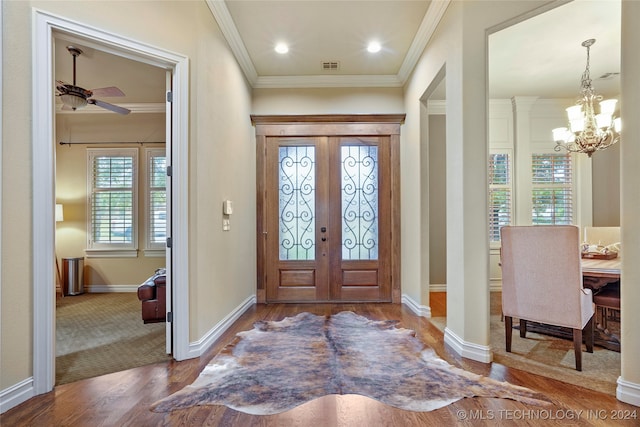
x,y
16,394
417,309
628,392
24,390
94,289
495,285
480,353
198,348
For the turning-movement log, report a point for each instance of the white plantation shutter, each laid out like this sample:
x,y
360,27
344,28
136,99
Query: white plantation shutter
x,y
500,191
156,199
113,195
552,196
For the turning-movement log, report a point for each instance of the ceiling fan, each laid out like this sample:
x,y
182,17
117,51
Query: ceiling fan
x,y
74,97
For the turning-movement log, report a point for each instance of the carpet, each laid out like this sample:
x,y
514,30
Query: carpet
x,y
280,365
552,357
98,334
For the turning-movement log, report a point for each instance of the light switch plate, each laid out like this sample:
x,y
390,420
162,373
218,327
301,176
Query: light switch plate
x,y
227,207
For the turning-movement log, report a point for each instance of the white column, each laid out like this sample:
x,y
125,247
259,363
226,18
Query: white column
x,y
467,192
629,382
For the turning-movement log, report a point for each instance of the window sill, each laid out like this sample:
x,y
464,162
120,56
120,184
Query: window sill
x,y
155,253
111,253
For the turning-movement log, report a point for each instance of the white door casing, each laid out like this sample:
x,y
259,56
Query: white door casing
x,y
47,28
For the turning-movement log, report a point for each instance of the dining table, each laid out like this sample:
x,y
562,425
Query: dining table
x,y
601,275
602,268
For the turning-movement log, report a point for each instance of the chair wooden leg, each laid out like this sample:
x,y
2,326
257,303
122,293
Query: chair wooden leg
x,y
508,325
523,328
577,346
588,331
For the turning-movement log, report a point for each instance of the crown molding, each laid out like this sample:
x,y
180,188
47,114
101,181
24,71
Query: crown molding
x,y
434,14
222,16
428,26
146,107
320,81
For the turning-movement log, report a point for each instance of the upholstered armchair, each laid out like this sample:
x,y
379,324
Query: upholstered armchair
x,y
152,294
542,282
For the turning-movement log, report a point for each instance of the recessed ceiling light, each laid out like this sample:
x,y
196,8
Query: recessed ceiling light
x,y
282,48
374,47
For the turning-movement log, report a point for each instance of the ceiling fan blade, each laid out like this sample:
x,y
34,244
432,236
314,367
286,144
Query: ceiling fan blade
x,y
61,86
106,92
110,107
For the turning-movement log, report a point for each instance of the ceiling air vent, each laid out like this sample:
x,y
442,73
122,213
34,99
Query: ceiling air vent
x,y
330,65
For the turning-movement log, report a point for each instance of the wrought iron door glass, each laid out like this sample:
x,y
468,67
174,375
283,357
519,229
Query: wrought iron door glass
x,y
359,202
297,194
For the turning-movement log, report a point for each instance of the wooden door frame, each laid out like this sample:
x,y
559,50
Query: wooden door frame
x,y
327,125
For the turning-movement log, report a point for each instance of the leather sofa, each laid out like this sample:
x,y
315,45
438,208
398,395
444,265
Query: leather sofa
x,y
152,294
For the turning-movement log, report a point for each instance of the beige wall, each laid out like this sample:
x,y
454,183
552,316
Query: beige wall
x,y
71,234
222,272
459,45
102,274
630,203
606,187
328,101
437,193
462,35
222,264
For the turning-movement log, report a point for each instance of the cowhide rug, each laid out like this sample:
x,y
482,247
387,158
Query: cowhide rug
x,y
280,365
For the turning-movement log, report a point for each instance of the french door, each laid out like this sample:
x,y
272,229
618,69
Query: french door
x,y
328,208
328,218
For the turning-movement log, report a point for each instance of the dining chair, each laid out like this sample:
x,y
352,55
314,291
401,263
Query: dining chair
x,y
542,282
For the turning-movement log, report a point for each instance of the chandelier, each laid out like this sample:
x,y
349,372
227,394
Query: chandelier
x,y
588,132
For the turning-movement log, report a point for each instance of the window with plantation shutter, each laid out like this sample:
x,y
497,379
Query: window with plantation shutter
x,y
156,199
500,190
552,179
113,195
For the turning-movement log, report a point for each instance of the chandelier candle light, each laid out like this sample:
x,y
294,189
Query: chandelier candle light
x,y
587,131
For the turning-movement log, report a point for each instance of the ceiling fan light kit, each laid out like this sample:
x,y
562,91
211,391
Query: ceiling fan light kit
x,y
588,132
74,101
74,97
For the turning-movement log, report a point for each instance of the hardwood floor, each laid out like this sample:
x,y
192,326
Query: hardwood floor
x,y
123,398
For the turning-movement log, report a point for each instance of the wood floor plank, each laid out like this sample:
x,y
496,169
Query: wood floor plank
x,y
124,398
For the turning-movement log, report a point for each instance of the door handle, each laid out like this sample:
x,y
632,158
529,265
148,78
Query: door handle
x,y
324,239
323,229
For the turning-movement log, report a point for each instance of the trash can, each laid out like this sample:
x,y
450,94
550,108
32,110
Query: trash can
x,y
72,276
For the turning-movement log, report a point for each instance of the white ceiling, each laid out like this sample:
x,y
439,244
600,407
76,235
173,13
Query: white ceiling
x,y
141,83
541,56
320,31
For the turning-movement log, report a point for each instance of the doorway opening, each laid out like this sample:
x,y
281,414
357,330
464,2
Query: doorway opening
x,y
111,184
48,28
